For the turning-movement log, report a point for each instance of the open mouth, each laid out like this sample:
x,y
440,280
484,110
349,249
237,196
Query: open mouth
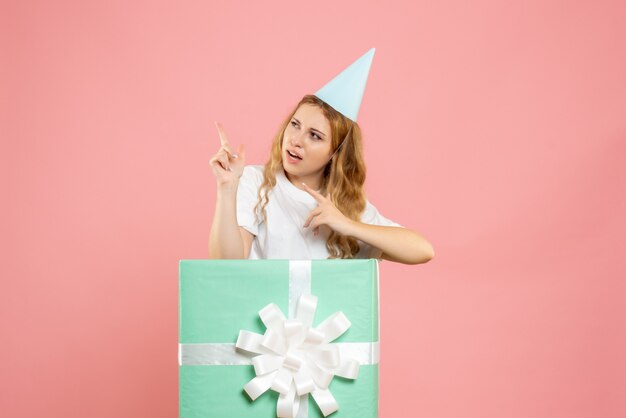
x,y
292,155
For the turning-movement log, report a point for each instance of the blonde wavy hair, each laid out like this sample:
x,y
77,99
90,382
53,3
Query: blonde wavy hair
x,y
343,177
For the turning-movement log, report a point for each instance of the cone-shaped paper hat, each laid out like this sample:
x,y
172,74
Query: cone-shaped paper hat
x,y
345,91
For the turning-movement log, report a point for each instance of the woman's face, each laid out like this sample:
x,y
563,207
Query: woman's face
x,y
307,143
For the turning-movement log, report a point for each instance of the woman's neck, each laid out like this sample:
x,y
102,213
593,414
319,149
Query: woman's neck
x,y
314,180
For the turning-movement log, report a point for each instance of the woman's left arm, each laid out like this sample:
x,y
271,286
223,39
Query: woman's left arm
x,y
398,244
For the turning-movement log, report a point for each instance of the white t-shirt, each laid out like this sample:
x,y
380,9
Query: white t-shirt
x,y
283,235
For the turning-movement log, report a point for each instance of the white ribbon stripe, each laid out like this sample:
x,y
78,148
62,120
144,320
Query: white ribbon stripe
x,y
225,354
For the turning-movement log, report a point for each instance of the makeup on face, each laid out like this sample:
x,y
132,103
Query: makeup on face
x,y
306,143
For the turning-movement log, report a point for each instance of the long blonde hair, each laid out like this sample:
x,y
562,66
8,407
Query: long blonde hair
x,y
343,176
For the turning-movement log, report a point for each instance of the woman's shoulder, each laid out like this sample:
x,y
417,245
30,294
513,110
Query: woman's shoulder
x,y
252,174
371,215
369,212
256,169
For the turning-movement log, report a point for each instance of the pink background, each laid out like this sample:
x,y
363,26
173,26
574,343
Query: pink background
x,y
498,131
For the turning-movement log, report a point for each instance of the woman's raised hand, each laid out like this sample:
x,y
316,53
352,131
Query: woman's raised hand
x,y
227,166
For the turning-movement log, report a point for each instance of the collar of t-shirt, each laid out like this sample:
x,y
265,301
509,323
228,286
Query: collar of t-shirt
x,y
292,190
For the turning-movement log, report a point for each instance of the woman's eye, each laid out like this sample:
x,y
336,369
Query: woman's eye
x,y
316,136
294,124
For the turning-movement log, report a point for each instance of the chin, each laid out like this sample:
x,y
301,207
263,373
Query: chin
x,y
289,169
286,167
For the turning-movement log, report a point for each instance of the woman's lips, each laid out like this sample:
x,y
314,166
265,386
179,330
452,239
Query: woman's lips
x,y
291,159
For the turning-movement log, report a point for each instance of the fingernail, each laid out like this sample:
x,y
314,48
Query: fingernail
x,y
230,169
235,155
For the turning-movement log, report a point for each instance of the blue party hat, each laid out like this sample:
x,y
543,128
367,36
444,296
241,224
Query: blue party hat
x,y
345,92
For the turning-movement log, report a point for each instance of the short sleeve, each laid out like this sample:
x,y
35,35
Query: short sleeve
x,y
247,191
372,216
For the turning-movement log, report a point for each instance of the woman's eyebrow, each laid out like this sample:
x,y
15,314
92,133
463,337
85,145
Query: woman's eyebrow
x,y
318,131
313,129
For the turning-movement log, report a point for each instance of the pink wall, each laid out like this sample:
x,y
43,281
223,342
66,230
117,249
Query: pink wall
x,y
498,131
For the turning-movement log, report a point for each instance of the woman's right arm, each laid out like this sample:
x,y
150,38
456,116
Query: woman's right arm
x,y
227,239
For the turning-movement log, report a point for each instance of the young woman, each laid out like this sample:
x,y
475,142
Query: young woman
x,y
307,202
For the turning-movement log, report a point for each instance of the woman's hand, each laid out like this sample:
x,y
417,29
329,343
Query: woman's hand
x,y
396,243
326,213
227,166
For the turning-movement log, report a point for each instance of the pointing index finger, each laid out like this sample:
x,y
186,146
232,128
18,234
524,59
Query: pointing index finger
x,y
222,134
313,193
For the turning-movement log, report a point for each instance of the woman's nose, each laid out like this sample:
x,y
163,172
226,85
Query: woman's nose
x,y
297,140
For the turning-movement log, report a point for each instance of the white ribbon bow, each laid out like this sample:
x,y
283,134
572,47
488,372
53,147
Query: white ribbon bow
x,y
296,359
